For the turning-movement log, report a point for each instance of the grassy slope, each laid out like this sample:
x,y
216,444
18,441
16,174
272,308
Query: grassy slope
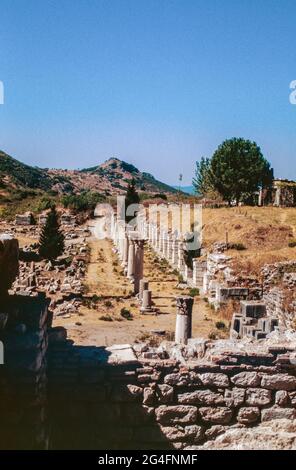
x,y
265,232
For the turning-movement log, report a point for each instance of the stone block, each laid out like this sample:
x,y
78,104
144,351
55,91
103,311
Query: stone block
x,y
258,396
179,414
201,397
149,396
246,379
253,308
211,379
277,412
248,415
282,398
219,415
279,382
165,393
177,379
234,397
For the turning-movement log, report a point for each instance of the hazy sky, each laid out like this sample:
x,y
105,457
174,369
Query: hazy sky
x,y
158,83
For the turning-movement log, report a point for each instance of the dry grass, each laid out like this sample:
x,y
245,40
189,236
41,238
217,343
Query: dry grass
x,y
265,232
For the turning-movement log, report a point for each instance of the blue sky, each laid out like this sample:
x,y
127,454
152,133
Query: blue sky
x,y
158,83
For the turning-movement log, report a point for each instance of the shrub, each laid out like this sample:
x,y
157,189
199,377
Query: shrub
x,y
87,200
106,317
193,292
220,325
237,246
125,313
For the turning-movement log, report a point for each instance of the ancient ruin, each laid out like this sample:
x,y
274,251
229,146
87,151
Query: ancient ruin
x,y
184,393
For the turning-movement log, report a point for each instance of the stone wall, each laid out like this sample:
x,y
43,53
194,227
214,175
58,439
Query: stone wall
x,y
64,396
279,293
9,253
23,381
110,399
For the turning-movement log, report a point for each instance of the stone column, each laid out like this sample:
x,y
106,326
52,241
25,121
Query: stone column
x,y
147,301
184,319
194,273
169,248
180,256
260,198
174,257
139,264
144,284
125,251
164,244
131,260
278,194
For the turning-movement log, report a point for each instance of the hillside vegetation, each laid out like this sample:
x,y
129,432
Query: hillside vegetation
x,y
23,187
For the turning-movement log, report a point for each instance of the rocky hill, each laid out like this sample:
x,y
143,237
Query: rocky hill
x,y
108,178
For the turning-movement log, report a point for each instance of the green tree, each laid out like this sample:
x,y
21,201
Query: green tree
x,y
238,169
202,182
51,242
131,197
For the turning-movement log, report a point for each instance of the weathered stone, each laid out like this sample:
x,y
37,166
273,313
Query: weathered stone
x,y
176,414
279,382
215,431
165,393
234,397
292,397
194,432
147,378
211,379
282,398
149,396
203,397
248,415
246,379
277,412
177,379
219,415
258,396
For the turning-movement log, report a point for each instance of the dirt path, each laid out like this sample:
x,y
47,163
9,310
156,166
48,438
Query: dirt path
x,y
101,323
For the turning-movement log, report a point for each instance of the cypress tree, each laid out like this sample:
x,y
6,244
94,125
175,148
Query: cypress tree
x,y
51,242
131,197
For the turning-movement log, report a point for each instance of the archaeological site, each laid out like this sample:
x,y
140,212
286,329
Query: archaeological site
x,y
122,343
147,232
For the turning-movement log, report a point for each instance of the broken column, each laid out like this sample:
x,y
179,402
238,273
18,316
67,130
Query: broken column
x,y
147,301
144,284
184,319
